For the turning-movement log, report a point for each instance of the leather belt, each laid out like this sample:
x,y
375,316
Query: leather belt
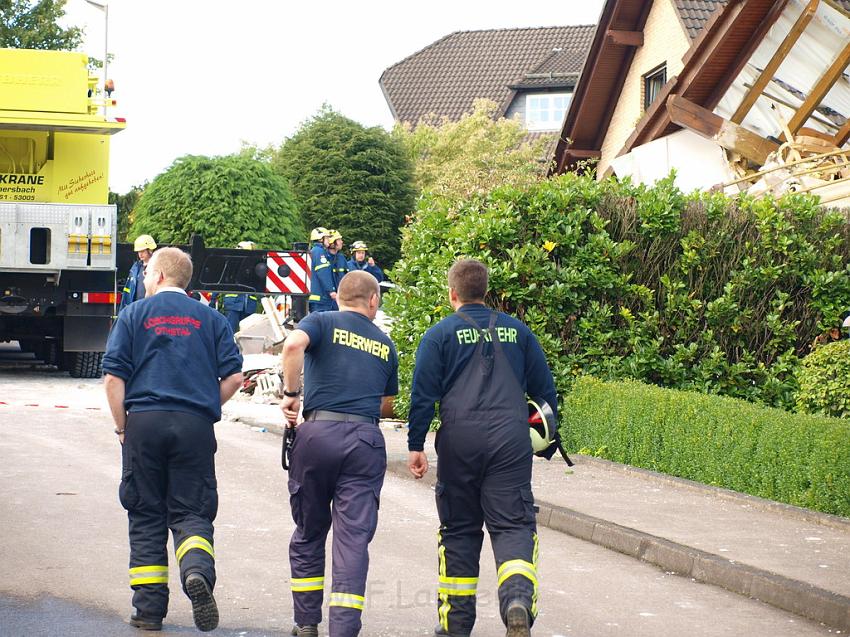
x,y
338,416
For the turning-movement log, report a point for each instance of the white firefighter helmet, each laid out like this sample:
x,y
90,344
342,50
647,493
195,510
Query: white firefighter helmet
x,y
541,424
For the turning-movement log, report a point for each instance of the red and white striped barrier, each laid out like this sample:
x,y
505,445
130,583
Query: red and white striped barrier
x,y
289,272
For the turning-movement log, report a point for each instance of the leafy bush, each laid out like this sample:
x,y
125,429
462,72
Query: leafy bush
x,y
625,281
355,179
794,458
474,154
225,199
825,382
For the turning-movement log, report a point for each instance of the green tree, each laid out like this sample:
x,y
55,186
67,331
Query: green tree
x,y
34,25
475,154
352,178
125,204
224,199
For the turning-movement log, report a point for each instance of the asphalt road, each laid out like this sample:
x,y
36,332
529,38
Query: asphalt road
x,y
63,545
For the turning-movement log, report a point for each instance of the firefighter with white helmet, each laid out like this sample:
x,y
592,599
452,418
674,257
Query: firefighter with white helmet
x,y
479,364
360,261
134,287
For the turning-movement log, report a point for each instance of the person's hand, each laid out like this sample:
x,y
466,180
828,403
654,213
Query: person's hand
x,y
417,462
289,407
371,261
121,438
333,295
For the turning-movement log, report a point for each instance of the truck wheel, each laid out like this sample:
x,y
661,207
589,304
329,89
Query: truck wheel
x,y
86,364
49,352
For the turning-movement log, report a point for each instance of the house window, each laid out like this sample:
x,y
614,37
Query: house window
x,y
653,82
545,111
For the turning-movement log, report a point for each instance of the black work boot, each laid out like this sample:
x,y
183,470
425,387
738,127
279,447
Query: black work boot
x,y
440,632
204,609
309,630
143,622
517,621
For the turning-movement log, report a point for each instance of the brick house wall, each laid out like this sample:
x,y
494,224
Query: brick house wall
x,y
665,41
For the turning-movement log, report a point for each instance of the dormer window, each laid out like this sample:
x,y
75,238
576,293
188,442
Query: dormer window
x,y
545,111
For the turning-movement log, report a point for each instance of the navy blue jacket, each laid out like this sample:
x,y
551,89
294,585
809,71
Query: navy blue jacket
x,y
172,351
322,281
349,365
243,303
374,270
447,347
135,279
340,267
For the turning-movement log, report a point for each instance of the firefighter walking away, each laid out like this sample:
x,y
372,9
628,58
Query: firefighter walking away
x,y
479,364
170,363
339,455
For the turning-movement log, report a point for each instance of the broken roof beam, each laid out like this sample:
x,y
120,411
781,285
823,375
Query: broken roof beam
x,y
727,134
773,65
625,38
819,91
843,134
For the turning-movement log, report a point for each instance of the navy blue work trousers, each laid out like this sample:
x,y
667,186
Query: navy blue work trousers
x,y
335,479
168,482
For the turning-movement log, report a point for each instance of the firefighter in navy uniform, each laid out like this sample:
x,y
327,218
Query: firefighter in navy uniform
x,y
169,365
339,456
134,286
359,261
479,364
340,263
322,281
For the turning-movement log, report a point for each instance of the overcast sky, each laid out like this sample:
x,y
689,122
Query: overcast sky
x,y
201,76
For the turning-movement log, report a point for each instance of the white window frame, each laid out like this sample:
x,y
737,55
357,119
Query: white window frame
x,y
554,115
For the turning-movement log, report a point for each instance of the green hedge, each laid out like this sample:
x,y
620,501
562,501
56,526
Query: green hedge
x,y
794,458
824,381
617,280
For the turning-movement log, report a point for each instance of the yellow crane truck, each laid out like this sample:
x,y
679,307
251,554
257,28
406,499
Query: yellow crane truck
x,y
61,267
57,232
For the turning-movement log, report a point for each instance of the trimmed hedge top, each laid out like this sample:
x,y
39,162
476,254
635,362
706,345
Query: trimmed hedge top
x,y
794,458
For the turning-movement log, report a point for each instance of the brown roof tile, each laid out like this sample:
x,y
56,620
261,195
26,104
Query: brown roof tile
x,y
448,75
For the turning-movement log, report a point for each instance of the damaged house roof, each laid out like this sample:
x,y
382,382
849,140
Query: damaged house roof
x,y
759,64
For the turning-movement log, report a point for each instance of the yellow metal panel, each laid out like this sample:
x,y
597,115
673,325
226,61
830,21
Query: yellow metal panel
x,y
78,174
81,169
54,81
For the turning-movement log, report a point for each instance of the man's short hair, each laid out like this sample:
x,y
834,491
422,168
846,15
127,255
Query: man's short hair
x,y
356,288
175,265
468,278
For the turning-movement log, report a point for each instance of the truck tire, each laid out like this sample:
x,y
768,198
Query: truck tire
x,y
86,364
49,352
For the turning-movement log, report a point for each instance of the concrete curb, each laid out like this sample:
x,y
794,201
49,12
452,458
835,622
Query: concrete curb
x,y
782,592
785,593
